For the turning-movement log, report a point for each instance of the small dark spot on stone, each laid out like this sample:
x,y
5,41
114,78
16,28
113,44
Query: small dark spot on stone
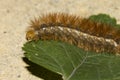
x,y
8,11
4,32
115,8
19,76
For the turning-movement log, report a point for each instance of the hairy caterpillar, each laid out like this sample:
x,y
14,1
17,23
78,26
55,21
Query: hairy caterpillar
x,y
82,32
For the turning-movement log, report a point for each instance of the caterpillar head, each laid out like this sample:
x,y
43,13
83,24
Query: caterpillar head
x,y
31,35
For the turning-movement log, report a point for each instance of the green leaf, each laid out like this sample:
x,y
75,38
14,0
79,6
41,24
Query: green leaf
x,y
104,18
72,62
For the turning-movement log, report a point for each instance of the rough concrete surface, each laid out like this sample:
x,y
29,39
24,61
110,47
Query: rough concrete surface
x,y
15,16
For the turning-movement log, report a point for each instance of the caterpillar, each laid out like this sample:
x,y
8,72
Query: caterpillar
x,y
82,32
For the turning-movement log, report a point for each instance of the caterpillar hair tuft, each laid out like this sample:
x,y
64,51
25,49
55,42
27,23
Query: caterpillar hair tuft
x,y
82,32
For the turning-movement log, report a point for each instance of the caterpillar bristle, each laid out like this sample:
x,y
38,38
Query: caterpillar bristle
x,y
83,32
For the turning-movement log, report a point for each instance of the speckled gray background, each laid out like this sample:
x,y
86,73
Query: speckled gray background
x,y
15,16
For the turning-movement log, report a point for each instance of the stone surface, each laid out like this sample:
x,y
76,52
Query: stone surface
x,y
15,16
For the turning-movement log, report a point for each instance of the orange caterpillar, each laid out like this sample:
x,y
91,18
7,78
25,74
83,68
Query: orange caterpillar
x,y
82,32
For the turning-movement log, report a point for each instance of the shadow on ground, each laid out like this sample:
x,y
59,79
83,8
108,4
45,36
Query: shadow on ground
x,y
41,72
